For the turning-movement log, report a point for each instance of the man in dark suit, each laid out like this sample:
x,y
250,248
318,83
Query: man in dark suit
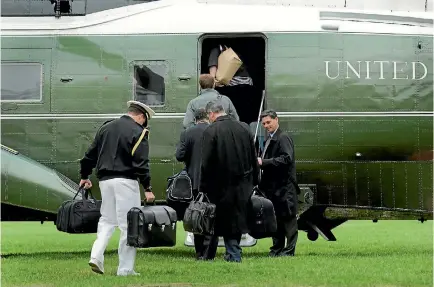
x,y
278,182
229,172
189,151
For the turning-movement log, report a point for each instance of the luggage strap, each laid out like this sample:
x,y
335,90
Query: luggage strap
x,y
161,215
85,194
200,197
221,48
183,172
147,216
257,191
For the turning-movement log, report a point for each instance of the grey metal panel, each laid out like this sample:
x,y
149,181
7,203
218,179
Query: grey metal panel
x,y
429,6
391,5
330,15
295,3
46,8
375,5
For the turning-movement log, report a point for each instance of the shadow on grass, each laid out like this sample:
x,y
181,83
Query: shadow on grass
x,y
189,253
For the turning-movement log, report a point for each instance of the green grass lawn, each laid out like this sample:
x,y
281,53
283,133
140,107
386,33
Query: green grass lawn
x,y
387,253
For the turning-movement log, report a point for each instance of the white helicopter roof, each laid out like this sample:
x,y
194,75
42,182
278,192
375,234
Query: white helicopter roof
x,y
230,16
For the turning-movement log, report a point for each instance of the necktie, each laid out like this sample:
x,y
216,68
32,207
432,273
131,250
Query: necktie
x,y
266,146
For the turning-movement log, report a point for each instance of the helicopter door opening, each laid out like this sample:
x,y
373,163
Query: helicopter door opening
x,y
246,89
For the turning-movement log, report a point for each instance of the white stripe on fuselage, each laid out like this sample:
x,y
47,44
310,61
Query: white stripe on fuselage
x,y
181,115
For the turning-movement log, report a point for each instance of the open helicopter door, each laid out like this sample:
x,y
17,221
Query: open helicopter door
x,y
259,132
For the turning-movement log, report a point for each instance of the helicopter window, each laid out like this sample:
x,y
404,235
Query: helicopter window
x,y
149,82
21,82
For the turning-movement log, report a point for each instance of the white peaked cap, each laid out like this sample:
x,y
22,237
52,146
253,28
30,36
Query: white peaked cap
x,y
142,106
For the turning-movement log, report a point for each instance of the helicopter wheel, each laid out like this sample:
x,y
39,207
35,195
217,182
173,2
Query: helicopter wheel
x,y
312,235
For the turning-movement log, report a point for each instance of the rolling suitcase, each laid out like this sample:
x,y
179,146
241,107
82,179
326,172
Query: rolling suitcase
x,y
262,218
151,226
79,216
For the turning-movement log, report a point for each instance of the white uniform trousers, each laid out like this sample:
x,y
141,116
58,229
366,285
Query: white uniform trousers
x,y
119,195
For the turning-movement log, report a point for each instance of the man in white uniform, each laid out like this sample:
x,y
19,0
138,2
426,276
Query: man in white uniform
x,y
120,153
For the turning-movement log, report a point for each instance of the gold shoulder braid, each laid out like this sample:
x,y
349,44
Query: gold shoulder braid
x,y
139,140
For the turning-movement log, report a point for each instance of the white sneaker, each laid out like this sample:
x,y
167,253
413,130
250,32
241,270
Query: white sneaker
x,y
128,273
96,266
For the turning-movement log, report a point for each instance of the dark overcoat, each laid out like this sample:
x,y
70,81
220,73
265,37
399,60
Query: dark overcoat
x,y
189,151
229,171
278,168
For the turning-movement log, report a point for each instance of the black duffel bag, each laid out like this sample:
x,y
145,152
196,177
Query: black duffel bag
x,y
262,221
199,218
151,226
179,187
79,216
179,192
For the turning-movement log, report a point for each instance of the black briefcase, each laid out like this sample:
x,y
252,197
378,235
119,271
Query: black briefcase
x,y
79,216
262,221
199,218
151,226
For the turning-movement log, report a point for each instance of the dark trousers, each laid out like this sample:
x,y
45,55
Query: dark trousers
x,y
233,249
205,246
286,228
232,244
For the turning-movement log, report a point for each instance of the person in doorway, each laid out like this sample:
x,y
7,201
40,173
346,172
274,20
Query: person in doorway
x,y
207,94
278,182
189,151
228,173
120,153
240,89
241,76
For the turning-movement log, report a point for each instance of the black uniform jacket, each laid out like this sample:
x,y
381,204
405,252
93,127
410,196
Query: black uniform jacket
x,y
189,151
278,167
229,171
120,149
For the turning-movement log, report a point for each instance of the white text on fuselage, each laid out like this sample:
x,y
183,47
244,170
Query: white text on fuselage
x,y
377,70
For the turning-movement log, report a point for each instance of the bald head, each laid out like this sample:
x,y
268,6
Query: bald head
x,y
206,81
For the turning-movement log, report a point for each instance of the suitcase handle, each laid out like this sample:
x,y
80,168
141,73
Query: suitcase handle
x,y
256,190
145,203
85,193
201,195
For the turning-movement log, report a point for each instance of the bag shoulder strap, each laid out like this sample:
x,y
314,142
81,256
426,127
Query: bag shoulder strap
x,y
148,216
200,197
181,174
172,216
139,141
172,177
85,193
223,48
161,215
258,192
